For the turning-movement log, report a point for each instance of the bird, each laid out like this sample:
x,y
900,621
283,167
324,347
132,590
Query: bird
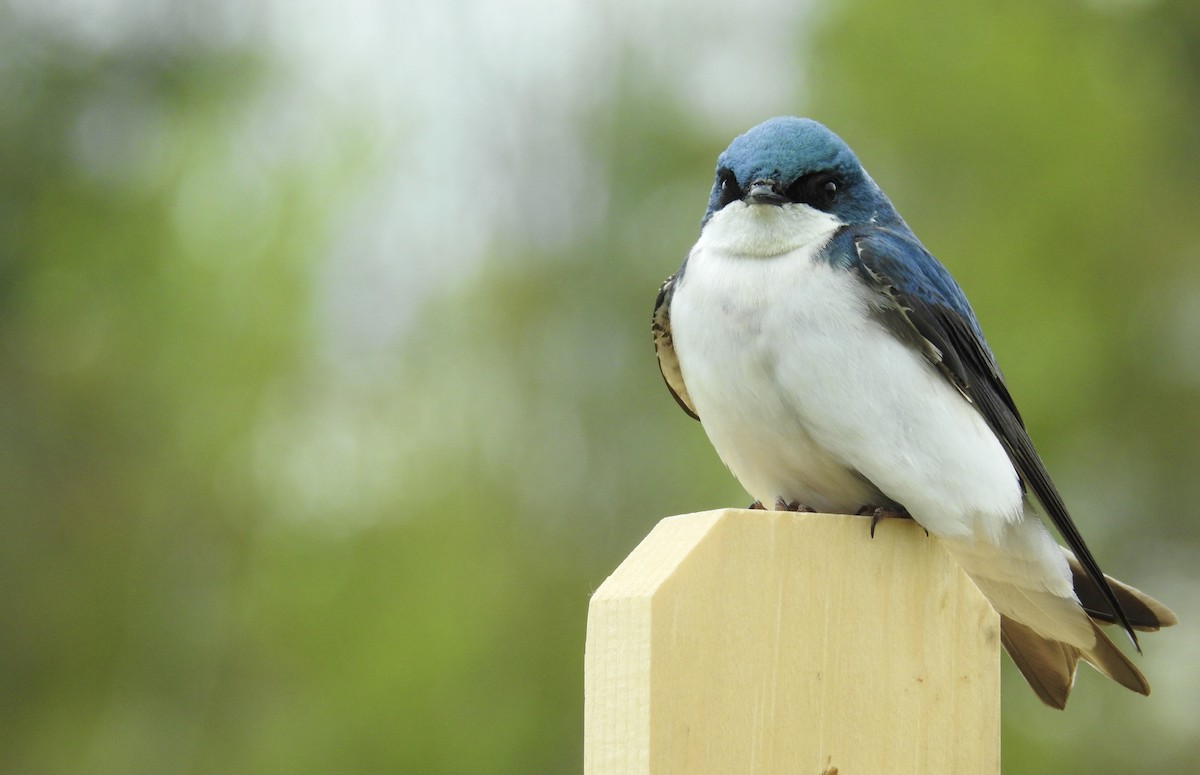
x,y
837,367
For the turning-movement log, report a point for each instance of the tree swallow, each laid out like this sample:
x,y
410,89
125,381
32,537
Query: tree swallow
x,y
837,367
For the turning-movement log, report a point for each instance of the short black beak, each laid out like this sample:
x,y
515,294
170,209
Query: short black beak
x,y
765,192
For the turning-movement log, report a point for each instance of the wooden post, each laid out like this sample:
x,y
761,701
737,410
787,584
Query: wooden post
x,y
739,641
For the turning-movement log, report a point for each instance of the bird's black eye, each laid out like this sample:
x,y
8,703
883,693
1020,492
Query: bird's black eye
x,y
730,191
819,190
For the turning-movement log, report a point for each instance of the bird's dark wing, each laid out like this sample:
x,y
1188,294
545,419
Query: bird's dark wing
x,y
664,347
922,304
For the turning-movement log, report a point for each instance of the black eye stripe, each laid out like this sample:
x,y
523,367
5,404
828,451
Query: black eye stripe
x,y
730,190
818,189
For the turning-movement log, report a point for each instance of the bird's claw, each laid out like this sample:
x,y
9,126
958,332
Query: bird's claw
x,y
884,512
782,505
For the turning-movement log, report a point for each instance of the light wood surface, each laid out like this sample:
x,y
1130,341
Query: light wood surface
x,y
739,641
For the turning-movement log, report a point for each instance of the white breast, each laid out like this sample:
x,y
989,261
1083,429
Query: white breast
x,y
805,396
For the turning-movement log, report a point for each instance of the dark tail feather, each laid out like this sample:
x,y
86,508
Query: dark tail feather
x,y
1112,662
1144,612
1049,665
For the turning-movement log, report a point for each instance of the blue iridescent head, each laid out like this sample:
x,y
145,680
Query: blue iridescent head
x,y
796,161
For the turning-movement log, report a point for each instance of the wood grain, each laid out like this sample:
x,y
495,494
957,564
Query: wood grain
x,y
740,641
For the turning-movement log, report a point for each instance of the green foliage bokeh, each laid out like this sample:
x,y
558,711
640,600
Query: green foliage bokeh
x,y
220,551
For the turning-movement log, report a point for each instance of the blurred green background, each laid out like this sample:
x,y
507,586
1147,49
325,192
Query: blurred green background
x,y
326,387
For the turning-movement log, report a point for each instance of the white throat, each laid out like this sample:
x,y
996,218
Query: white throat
x,y
762,231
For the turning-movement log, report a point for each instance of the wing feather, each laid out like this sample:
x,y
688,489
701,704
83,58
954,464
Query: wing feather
x,y
922,303
664,347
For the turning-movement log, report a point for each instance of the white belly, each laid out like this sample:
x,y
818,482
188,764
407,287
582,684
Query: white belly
x,y
806,397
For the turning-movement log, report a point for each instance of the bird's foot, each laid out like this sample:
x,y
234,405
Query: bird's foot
x,y
884,512
757,506
782,505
